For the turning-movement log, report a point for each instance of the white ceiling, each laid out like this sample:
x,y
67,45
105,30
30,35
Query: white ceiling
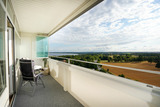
x,y
48,16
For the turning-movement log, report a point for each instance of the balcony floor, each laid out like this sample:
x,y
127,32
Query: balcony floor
x,y
52,95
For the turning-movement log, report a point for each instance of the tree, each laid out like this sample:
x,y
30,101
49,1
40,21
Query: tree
x,y
122,75
158,65
140,58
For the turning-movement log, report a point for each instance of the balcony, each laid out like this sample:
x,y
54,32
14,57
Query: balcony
x,y
67,84
90,88
52,95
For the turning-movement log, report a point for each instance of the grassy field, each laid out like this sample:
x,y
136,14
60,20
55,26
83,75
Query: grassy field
x,y
153,79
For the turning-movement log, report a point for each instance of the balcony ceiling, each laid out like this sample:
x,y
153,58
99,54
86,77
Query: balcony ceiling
x,y
48,16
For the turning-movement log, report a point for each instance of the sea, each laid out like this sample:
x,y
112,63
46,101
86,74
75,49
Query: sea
x,y
61,53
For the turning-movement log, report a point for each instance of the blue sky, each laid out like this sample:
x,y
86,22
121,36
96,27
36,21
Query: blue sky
x,y
112,26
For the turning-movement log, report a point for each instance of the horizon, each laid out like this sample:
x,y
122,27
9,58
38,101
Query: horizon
x,y
105,52
121,26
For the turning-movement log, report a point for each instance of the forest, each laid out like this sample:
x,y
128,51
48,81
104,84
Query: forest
x,y
111,57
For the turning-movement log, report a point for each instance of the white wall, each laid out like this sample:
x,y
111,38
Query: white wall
x,y
28,47
96,89
17,56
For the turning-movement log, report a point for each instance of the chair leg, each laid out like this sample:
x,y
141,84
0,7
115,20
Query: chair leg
x,y
36,80
21,83
24,83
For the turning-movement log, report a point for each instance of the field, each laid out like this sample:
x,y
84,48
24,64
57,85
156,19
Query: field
x,y
153,79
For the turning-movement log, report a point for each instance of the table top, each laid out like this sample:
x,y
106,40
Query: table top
x,y
37,67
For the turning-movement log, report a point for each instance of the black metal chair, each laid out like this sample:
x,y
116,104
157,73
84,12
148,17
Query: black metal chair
x,y
29,74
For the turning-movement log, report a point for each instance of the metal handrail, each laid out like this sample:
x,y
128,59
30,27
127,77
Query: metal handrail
x,y
115,66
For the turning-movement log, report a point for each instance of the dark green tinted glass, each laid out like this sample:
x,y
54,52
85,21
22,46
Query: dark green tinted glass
x,y
42,46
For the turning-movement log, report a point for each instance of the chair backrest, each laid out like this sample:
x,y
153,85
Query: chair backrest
x,y
27,69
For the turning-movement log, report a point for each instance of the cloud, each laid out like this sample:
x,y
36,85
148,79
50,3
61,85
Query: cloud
x,y
113,25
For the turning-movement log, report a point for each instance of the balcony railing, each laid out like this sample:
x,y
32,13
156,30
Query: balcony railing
x,y
96,89
150,77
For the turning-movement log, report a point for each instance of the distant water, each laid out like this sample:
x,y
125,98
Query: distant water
x,y
60,53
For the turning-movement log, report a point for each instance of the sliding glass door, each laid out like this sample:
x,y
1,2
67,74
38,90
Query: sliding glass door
x,y
2,51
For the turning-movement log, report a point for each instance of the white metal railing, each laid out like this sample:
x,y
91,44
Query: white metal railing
x,y
128,68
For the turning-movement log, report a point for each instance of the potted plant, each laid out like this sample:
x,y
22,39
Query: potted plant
x,y
45,69
45,62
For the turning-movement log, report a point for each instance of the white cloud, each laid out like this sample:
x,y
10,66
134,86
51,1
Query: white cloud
x,y
114,25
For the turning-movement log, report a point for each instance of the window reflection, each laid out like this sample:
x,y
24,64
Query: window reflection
x,y
2,51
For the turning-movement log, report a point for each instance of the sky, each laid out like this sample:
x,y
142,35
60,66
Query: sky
x,y
112,26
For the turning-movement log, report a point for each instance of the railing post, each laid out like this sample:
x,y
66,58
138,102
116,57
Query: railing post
x,y
65,76
69,61
65,79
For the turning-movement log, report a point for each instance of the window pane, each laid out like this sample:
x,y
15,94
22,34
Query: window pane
x,y
2,51
4,1
17,50
17,45
42,46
